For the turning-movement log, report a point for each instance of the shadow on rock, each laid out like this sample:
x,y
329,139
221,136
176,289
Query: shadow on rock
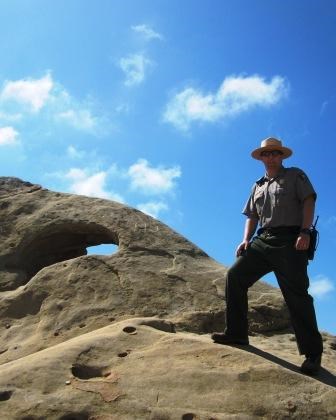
x,y
324,375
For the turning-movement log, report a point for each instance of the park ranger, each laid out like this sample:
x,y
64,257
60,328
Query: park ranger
x,y
282,203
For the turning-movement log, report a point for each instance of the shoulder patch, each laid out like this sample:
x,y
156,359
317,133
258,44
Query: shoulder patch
x,y
303,176
299,173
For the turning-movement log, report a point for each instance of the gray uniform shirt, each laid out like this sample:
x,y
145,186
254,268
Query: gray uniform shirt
x,y
279,201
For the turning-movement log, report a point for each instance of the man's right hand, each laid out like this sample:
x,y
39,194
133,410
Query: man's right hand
x,y
241,248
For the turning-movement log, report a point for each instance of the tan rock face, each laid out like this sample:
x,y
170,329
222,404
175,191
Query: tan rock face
x,y
52,292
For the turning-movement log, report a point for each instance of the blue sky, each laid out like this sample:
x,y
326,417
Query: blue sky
x,y
158,104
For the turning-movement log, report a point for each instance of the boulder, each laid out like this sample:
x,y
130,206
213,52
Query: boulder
x,y
126,335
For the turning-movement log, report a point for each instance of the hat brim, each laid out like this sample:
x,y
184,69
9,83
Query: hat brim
x,y
285,150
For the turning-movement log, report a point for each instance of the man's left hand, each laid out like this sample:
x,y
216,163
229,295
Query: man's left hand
x,y
302,242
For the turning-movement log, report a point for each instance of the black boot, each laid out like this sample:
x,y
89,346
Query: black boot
x,y
223,338
312,364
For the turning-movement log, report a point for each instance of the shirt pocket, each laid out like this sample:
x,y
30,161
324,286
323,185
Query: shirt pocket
x,y
259,199
280,197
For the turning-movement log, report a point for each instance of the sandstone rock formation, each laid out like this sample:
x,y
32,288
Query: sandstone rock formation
x,y
125,336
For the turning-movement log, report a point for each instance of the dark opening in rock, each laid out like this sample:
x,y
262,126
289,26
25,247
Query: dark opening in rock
x,y
130,330
75,416
56,243
87,372
31,418
5,395
189,416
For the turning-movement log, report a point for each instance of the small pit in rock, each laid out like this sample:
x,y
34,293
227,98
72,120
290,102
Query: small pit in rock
x,y
5,395
87,372
31,418
75,416
123,354
189,416
130,330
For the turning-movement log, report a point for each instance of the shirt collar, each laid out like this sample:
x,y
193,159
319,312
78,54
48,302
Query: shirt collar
x,y
281,172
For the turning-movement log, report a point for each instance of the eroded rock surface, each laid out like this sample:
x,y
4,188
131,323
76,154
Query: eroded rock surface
x,y
55,297
52,291
136,369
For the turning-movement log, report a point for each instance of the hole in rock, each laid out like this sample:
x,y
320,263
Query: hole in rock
x,y
5,395
58,242
75,416
189,416
102,249
31,418
87,372
130,330
123,354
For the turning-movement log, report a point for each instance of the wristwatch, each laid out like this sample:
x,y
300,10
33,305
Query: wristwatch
x,y
306,231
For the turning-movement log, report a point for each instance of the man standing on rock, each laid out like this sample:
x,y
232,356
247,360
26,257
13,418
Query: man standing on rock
x,y
282,203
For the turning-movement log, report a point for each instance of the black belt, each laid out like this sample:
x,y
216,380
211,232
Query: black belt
x,y
279,230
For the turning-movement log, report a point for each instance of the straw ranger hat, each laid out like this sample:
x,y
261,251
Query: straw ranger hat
x,y
271,143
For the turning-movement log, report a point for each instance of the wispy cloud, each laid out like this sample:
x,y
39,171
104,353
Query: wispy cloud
x,y
81,119
24,99
323,107
321,286
74,153
33,93
8,136
237,94
150,180
138,179
135,67
10,117
147,32
153,208
331,221
90,184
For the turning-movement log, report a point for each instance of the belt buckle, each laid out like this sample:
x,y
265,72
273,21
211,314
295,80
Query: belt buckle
x,y
268,233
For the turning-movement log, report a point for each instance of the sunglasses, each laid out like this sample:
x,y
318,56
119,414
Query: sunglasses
x,y
268,153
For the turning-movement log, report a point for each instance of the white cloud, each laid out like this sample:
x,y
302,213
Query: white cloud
x,y
52,103
321,286
147,32
8,136
81,119
9,117
135,67
152,180
323,107
92,185
153,208
32,92
236,94
123,109
331,221
73,153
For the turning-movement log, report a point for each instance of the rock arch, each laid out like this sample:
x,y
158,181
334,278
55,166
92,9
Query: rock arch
x,y
55,243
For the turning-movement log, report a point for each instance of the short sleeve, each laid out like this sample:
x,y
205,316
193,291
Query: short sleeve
x,y
304,188
250,209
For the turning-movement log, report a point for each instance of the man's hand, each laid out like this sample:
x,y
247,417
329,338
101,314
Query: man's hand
x,y
302,242
241,248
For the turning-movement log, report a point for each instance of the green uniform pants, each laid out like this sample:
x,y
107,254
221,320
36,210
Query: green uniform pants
x,y
276,253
